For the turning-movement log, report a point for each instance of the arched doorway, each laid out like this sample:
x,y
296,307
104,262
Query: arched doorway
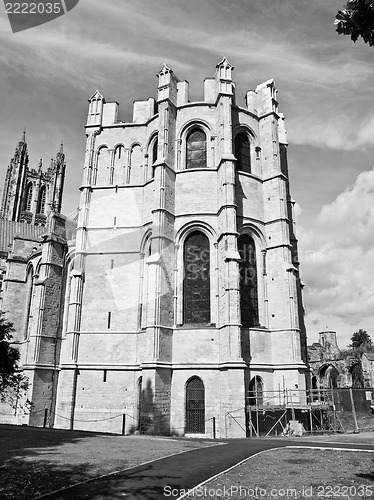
x,y
195,406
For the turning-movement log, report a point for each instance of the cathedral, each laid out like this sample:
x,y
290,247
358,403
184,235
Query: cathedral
x,y
175,294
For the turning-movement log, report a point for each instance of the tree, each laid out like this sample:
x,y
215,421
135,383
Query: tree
x,y
357,19
361,339
12,382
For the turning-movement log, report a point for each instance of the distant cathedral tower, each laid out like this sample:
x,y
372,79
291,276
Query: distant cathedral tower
x,y
31,195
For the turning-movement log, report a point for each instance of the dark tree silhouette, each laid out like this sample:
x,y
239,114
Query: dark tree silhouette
x,y
357,20
12,382
361,339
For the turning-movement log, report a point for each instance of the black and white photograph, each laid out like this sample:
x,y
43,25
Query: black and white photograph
x,y
186,249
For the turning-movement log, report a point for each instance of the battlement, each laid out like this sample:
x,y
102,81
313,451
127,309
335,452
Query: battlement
x,y
261,101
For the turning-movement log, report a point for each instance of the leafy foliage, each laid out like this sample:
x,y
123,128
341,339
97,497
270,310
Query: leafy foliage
x,y
361,339
357,19
12,382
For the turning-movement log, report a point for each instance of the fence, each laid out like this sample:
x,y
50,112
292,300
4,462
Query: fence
x,y
266,413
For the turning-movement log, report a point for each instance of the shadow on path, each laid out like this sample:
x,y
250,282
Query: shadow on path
x,y
178,473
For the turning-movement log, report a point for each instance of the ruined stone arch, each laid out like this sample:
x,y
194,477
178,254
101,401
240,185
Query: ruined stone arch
x,y
357,376
328,376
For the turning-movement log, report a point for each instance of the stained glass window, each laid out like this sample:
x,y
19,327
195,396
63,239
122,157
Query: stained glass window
x,y
243,153
248,281
196,284
196,149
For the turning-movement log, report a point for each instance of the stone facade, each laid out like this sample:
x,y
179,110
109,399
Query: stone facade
x,y
182,287
33,248
127,346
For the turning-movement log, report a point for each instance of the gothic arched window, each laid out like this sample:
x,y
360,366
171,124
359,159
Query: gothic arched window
x,y
196,282
41,201
243,152
248,281
196,149
28,198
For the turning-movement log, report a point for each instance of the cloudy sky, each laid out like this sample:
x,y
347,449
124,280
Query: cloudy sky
x,y
326,91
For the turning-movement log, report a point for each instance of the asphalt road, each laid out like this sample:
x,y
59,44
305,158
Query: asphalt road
x,y
159,479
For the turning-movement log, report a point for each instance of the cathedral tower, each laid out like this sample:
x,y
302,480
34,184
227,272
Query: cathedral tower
x,y
30,195
183,292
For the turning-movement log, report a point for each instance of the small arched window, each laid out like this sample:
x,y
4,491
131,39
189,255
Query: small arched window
x,y
248,281
154,151
243,152
117,174
28,198
102,171
196,283
29,303
196,149
135,172
256,391
144,285
118,152
42,200
154,156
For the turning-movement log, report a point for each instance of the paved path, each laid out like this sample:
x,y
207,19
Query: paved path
x,y
181,472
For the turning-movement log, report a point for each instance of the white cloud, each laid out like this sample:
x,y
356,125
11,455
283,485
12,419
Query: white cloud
x,y
340,132
337,259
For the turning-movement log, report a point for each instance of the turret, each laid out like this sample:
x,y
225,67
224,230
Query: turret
x,y
15,182
95,110
59,177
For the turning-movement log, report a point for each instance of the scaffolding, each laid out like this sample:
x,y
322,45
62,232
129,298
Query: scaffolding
x,y
294,412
